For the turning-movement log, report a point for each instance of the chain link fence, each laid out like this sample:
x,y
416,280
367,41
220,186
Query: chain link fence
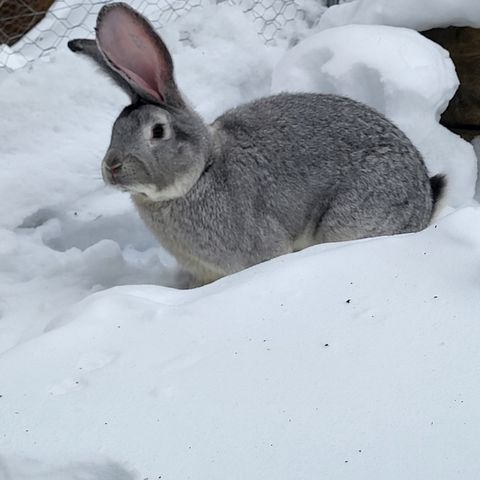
x,y
32,29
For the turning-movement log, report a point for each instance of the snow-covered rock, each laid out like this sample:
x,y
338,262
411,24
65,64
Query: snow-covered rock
x,y
417,14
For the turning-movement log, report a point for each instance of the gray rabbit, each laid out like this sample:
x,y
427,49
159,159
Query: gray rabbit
x,y
267,178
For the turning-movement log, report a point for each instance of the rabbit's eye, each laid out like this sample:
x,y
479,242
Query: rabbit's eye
x,y
158,131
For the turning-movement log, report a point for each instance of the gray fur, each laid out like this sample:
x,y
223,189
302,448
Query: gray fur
x,y
267,178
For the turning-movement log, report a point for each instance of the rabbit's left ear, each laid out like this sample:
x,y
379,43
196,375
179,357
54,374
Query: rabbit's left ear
x,y
133,50
89,48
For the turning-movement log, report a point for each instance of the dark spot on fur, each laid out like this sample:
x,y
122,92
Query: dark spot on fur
x,y
180,134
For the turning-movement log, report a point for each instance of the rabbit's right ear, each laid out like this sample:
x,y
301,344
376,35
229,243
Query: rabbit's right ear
x,y
89,48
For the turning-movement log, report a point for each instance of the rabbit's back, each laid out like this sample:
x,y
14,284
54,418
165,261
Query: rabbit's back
x,y
296,157
315,131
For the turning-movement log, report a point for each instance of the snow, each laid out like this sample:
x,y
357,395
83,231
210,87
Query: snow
x,y
419,15
355,360
476,147
197,384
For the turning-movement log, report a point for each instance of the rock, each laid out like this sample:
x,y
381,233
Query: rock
x,y
463,43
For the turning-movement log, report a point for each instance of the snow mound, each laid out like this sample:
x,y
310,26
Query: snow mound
x,y
349,361
399,73
419,15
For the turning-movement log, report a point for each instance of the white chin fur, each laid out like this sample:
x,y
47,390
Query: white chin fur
x,y
177,189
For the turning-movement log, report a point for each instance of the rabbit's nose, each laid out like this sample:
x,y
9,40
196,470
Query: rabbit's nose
x,y
113,164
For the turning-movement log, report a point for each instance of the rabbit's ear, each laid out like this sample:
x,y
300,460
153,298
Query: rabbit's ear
x,y
133,50
89,48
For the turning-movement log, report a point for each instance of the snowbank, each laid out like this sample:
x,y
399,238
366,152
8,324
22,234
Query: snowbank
x,y
352,361
417,14
399,73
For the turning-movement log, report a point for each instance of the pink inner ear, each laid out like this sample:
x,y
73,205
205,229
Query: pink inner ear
x,y
130,47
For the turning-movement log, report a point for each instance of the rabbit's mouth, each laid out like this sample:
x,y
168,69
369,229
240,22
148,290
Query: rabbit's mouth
x,y
130,174
148,190
160,191
109,177
123,171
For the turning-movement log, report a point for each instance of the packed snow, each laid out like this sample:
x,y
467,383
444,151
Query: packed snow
x,y
350,361
417,14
